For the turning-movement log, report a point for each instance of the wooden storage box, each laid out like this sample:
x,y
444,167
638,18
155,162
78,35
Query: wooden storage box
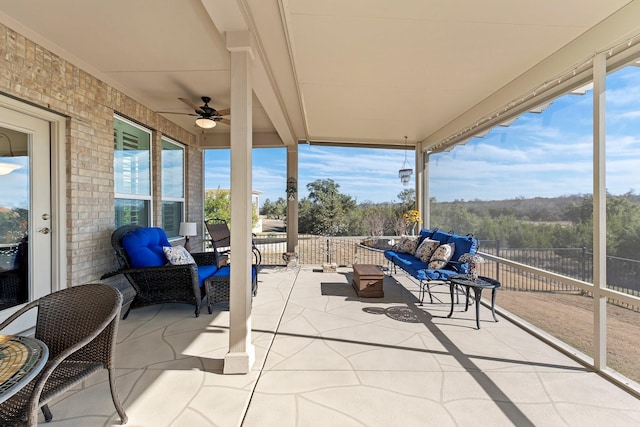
x,y
367,280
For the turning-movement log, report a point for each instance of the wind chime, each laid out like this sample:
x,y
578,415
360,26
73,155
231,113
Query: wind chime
x,y
405,171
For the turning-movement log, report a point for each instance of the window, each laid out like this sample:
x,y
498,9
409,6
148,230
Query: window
x,y
172,186
132,173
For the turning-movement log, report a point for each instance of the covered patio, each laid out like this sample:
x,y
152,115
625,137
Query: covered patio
x,y
325,356
290,72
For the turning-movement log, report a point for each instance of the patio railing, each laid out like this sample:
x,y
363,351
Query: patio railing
x,y
623,275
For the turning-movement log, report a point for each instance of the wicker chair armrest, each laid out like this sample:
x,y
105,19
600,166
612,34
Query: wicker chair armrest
x,y
17,314
169,269
160,283
110,274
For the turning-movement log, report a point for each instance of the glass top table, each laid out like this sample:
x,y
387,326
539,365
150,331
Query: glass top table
x,y
21,359
478,285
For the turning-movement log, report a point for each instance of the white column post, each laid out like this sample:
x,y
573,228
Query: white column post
x,y
241,355
419,167
426,205
292,205
599,213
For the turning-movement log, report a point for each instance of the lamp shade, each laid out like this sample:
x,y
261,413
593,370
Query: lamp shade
x,y
188,229
205,123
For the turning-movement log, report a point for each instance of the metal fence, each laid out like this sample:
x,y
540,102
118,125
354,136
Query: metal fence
x,y
317,250
622,274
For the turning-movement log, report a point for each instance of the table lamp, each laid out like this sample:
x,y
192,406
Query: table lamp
x,y
187,229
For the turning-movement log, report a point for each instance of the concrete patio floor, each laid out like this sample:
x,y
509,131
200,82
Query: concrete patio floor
x,y
328,358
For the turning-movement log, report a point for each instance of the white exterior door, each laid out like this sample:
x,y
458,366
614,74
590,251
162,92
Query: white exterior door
x,y
25,209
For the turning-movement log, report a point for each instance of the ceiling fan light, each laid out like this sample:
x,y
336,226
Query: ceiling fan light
x,y
7,168
205,123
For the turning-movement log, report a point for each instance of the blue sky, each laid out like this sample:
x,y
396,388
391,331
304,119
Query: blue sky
x,y
365,174
539,155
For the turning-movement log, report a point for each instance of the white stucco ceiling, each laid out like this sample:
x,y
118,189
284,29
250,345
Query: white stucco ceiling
x,y
364,71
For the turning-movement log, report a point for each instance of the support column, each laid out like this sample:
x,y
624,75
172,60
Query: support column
x,y
426,198
419,167
599,213
292,199
241,355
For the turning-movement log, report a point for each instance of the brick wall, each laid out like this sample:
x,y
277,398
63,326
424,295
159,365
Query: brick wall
x,y
37,76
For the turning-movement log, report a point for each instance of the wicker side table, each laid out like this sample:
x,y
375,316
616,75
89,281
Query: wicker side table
x,y
216,287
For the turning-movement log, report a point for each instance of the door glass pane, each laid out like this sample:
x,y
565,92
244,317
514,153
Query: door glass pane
x,y
14,217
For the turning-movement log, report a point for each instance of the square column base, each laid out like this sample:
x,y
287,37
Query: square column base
x,y
239,362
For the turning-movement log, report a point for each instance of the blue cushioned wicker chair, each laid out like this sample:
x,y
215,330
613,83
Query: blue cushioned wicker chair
x,y
142,261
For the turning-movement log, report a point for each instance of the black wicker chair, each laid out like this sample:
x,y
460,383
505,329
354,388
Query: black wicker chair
x,y
79,325
164,284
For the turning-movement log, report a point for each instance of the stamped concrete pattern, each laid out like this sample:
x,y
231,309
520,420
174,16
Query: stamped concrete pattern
x,y
326,357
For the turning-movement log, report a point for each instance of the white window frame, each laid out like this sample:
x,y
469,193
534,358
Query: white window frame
x,y
184,176
148,197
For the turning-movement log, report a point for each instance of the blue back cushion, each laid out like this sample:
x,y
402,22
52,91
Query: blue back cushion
x,y
464,245
441,236
424,233
144,247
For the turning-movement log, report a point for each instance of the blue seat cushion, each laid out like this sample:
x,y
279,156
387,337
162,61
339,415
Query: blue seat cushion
x,y
226,272
204,272
144,247
390,255
411,265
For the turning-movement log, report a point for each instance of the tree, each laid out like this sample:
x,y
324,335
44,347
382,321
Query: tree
x,y
325,211
13,225
374,218
407,198
274,210
218,205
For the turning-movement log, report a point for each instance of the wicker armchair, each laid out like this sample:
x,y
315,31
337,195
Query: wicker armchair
x,y
163,284
79,325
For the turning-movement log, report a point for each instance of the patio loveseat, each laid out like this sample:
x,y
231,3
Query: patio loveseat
x,y
431,257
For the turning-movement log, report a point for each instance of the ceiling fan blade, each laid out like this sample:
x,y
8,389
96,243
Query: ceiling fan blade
x,y
224,111
174,112
192,105
225,121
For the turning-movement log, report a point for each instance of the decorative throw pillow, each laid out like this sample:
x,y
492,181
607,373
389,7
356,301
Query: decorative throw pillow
x,y
407,245
178,255
426,249
441,256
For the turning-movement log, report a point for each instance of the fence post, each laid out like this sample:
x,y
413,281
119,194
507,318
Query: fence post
x,y
584,264
328,251
497,262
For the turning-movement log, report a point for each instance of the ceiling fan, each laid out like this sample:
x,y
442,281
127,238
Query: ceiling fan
x,y
207,116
